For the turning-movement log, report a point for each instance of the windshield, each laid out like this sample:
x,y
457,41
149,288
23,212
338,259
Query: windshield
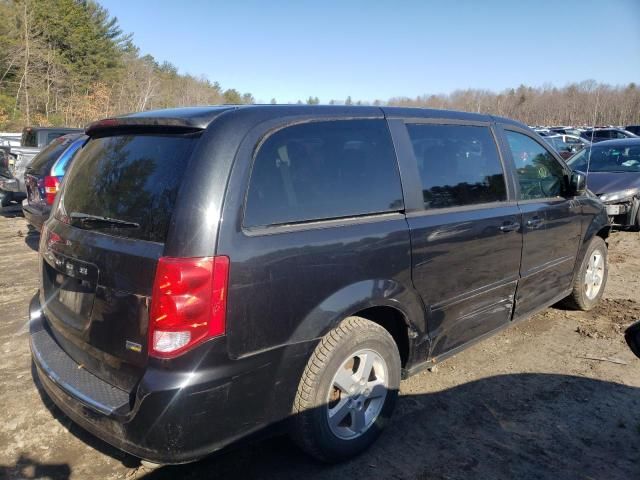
x,y
607,159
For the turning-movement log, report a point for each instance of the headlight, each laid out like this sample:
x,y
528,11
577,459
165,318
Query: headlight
x,y
620,195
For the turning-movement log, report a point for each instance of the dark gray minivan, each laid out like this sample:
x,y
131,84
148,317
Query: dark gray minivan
x,y
207,272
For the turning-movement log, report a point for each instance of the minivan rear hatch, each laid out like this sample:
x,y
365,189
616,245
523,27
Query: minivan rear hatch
x,y
101,249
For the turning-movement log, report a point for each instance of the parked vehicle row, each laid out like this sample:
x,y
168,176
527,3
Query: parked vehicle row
x,y
33,140
601,134
613,173
44,175
566,145
208,272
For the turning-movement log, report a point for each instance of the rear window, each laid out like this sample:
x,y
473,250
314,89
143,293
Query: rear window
x,y
323,170
42,162
53,135
29,138
60,166
129,178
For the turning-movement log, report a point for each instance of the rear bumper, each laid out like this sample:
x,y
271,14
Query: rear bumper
x,y
9,184
172,416
35,216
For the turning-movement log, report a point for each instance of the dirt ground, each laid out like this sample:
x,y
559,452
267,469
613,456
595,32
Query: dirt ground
x,y
527,403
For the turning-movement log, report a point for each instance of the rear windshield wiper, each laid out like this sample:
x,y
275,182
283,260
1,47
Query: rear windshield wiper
x,y
85,219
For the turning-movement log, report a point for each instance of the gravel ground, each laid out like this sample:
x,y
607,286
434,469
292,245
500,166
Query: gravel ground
x,y
523,404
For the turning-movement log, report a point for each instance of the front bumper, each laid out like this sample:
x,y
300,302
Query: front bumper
x,y
624,213
171,417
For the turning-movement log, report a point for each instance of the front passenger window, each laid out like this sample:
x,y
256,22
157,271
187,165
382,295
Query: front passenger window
x,y
540,175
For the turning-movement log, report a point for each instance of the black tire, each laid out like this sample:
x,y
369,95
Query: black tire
x,y
578,298
310,426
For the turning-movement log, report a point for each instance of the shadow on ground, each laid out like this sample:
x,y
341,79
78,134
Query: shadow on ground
x,y
522,426
27,468
32,239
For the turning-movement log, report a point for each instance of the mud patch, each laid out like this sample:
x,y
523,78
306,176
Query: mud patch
x,y
616,258
609,319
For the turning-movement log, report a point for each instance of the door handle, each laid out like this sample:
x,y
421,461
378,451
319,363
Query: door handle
x,y
509,227
534,222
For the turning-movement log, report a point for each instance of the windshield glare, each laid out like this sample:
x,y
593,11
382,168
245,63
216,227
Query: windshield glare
x,y
608,159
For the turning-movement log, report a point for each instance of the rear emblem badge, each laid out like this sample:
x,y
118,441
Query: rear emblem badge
x,y
134,347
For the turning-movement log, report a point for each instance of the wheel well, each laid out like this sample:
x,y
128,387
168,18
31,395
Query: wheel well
x,y
393,321
604,232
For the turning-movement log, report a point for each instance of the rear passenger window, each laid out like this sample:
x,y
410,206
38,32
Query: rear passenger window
x,y
323,170
458,165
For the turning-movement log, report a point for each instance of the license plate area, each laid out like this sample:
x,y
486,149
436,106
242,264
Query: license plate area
x,y
615,209
70,285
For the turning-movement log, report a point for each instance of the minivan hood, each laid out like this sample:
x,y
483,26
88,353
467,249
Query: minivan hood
x,y
607,182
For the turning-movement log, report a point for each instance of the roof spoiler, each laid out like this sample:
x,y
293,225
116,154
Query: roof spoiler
x,y
143,124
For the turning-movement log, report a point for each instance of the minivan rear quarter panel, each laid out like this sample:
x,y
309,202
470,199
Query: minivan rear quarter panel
x,y
329,268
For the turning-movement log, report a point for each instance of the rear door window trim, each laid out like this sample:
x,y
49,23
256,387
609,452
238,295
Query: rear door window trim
x,y
420,209
325,222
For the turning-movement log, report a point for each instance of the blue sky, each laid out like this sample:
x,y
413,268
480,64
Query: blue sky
x,y
380,49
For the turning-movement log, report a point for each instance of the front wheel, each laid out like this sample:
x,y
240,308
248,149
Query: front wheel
x,y
588,286
347,391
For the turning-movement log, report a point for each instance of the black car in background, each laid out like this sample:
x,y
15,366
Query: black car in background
x,y
208,272
602,134
43,176
635,129
613,173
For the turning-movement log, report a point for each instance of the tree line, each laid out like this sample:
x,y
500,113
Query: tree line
x,y
585,103
67,62
580,104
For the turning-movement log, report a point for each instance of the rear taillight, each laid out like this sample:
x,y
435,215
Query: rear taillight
x,y
48,239
51,185
188,304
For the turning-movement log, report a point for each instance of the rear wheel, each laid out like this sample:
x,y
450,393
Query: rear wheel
x,y
347,392
588,286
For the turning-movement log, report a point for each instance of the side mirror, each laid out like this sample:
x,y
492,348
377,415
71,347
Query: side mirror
x,y
578,183
632,336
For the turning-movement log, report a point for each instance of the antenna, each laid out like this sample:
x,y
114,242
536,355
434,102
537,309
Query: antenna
x,y
593,131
